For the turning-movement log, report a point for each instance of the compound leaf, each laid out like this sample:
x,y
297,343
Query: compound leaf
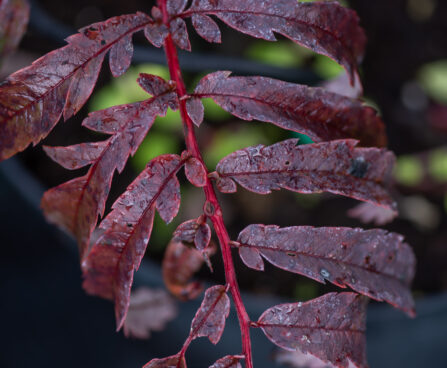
x,y
336,167
372,262
313,111
331,327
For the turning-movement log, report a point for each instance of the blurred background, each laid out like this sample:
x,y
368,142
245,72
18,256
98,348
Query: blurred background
x,y
48,318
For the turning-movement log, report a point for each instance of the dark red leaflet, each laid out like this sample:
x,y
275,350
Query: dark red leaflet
x,y
372,262
82,85
330,327
32,99
195,172
175,361
324,27
120,56
175,6
153,84
186,231
336,167
117,253
206,28
180,263
176,27
209,320
76,156
76,205
179,34
229,361
156,32
195,110
195,231
313,111
14,15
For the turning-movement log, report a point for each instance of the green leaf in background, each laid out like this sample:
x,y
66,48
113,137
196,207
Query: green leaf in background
x,y
226,141
309,200
408,170
155,144
326,68
303,138
161,237
305,290
124,90
281,53
433,79
213,111
437,164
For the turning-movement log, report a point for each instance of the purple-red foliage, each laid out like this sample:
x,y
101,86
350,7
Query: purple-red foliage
x,y
346,160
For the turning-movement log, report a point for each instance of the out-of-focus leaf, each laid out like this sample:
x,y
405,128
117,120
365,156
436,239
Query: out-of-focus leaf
x,y
297,359
149,310
408,170
279,53
369,213
433,78
180,263
14,15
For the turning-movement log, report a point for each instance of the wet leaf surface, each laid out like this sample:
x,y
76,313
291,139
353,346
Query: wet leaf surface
x,y
337,167
331,327
314,111
76,205
372,262
324,27
209,320
33,99
109,267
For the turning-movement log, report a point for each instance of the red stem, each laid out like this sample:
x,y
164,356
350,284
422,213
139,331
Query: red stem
x,y
214,211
